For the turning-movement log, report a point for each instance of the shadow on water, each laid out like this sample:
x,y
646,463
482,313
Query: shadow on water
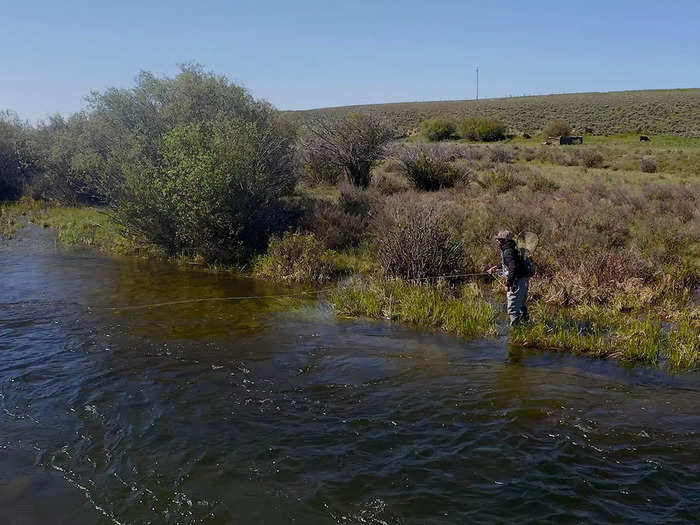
x,y
247,410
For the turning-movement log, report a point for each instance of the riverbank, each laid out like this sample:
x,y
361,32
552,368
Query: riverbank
x,y
669,338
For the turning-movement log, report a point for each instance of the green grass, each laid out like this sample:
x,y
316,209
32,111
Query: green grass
x,y
603,332
13,215
462,311
92,227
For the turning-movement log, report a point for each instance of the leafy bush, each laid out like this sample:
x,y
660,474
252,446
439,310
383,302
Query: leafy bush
x,y
354,144
482,129
414,244
436,129
557,128
427,167
218,191
17,162
648,165
296,257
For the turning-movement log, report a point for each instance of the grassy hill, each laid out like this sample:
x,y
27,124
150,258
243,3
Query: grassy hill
x,y
669,111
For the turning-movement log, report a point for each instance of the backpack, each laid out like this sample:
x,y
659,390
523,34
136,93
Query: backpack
x,y
527,264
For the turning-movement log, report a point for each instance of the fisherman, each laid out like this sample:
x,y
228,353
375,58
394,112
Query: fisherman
x,y
517,280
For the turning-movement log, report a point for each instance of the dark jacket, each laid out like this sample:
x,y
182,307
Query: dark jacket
x,y
512,263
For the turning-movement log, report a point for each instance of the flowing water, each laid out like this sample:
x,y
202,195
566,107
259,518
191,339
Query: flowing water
x,y
271,410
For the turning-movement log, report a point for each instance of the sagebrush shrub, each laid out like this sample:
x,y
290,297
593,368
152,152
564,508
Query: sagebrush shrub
x,y
499,180
482,129
590,158
414,243
344,223
648,165
429,168
436,129
502,154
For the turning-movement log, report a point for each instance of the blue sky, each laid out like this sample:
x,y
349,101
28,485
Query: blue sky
x,y
313,54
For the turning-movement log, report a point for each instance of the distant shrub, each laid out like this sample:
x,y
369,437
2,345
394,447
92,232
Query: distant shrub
x,y
428,168
436,129
557,128
648,165
482,129
502,154
296,257
414,244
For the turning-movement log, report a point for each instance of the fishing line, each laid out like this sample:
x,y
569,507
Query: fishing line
x,y
205,299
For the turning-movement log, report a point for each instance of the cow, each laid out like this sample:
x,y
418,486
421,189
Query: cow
x,y
526,136
644,138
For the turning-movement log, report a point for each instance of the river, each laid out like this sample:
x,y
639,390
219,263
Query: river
x,y
272,411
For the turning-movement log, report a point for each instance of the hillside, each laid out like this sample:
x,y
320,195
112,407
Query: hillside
x,y
673,111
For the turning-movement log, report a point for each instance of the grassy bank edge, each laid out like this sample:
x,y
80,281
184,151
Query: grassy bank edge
x,y
463,310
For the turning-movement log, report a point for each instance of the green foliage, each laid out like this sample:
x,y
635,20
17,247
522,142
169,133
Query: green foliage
x,y
428,167
296,257
482,129
460,311
683,346
436,129
557,128
14,215
216,193
18,164
603,332
93,227
499,180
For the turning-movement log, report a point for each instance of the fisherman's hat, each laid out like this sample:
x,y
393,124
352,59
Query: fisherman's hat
x,y
505,235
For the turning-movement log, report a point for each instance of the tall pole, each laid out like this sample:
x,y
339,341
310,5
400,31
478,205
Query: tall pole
x,y
477,83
